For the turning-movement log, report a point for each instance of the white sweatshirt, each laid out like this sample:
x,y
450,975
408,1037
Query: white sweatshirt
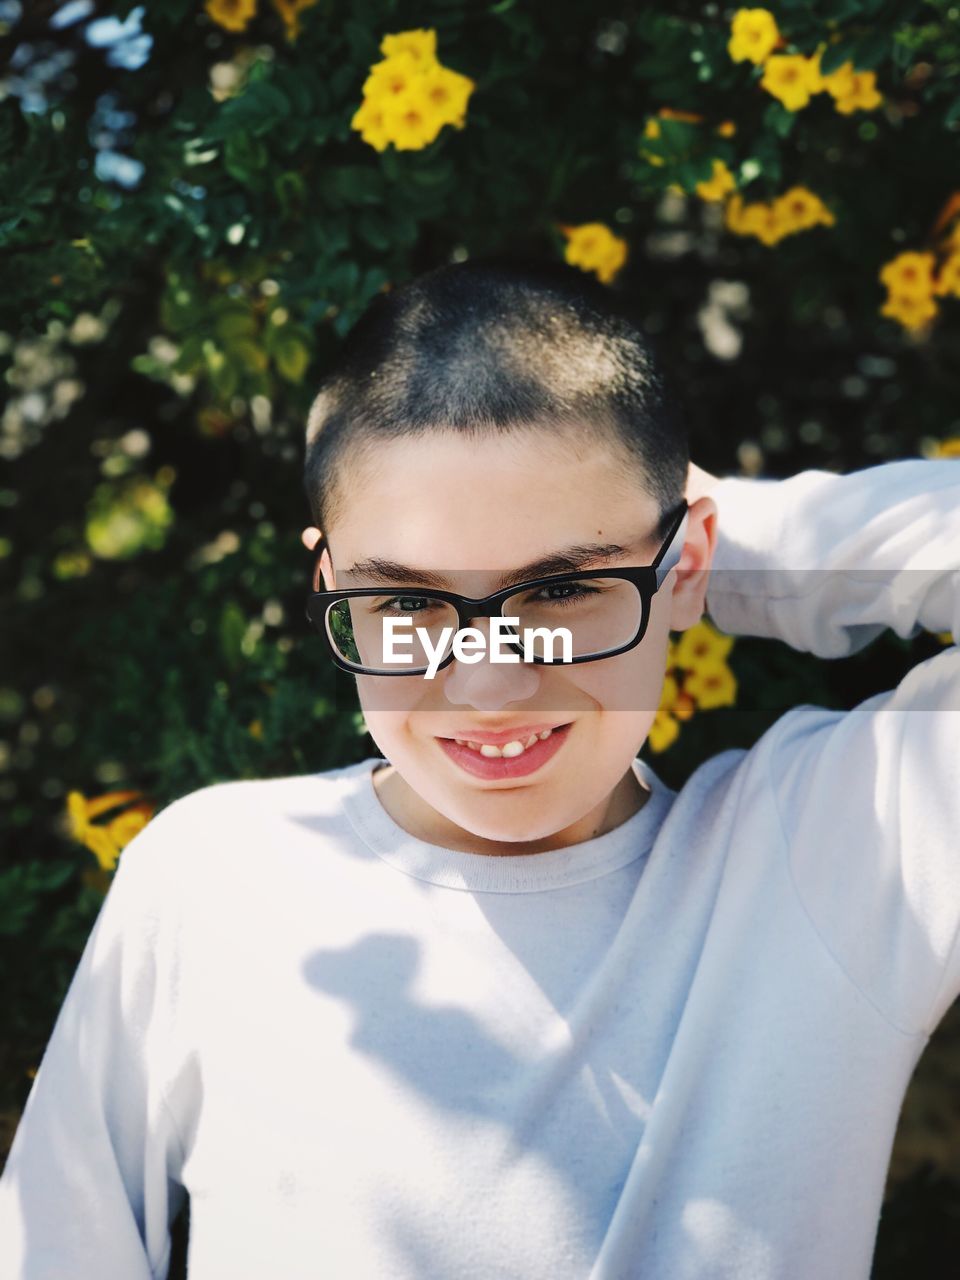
x,y
674,1052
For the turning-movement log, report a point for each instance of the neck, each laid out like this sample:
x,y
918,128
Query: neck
x,y
419,819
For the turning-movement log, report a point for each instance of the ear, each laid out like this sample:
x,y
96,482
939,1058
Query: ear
x,y
310,537
688,598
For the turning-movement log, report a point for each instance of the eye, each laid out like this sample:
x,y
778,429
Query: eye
x,y
406,604
561,592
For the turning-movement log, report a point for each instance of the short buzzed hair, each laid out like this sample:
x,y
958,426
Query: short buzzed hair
x,y
491,345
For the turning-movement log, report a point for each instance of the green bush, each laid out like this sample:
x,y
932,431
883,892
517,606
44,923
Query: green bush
x,y
189,224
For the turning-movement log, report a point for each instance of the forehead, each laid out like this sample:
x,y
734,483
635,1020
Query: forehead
x,y
446,500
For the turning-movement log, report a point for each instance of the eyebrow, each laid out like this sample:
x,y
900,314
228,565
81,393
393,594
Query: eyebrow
x,y
582,556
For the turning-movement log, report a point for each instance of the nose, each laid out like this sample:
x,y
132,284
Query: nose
x,y
487,685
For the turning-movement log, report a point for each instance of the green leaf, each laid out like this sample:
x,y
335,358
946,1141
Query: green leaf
x,y
246,354
779,119
374,229
225,379
871,50
235,321
364,45
258,110
290,190
767,155
244,156
356,184
431,176
835,55
842,10
233,626
690,172
902,54
190,357
292,357
677,136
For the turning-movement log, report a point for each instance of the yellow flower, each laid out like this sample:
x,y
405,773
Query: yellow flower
x,y
851,90
668,694
839,83
96,878
711,685
727,129
734,215
948,277
368,121
409,96
718,185
448,92
663,731
420,43
765,221
909,274
255,728
799,208
791,79
651,130
701,643
753,35
947,449
232,15
289,11
107,840
815,77
391,77
912,312
671,113
859,94
684,706
410,119
592,246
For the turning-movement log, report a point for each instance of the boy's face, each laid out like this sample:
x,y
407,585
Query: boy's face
x,y
474,510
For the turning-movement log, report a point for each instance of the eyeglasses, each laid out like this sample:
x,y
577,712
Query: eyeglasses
x,y
606,612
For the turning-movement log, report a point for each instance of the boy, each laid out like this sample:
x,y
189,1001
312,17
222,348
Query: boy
x,y
502,1004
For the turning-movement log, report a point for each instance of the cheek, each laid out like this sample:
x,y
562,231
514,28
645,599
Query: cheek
x,y
388,705
630,683
388,695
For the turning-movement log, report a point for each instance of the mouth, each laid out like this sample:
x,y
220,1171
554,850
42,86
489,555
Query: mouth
x,y
518,753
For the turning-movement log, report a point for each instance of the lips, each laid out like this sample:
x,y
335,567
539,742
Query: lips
x,y
499,737
517,753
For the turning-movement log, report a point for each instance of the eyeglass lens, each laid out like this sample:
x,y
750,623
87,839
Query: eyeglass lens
x,y
601,614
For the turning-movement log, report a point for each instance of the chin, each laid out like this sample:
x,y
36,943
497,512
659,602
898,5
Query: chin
x,y
504,827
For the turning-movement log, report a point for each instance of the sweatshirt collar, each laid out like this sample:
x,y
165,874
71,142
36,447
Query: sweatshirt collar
x,y
501,873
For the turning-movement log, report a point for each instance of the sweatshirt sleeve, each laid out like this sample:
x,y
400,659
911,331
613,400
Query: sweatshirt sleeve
x,y
91,1184
867,800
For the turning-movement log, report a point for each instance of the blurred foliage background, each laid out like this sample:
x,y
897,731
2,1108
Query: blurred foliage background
x,y
197,201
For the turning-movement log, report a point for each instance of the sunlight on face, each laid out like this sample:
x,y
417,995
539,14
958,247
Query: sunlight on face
x,y
473,510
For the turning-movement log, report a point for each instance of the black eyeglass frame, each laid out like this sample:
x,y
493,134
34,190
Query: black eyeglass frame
x,y
646,578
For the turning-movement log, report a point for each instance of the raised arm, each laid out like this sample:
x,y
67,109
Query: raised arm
x,y
826,562
867,800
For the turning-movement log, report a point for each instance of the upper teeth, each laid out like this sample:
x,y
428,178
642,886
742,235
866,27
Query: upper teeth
x,y
515,748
